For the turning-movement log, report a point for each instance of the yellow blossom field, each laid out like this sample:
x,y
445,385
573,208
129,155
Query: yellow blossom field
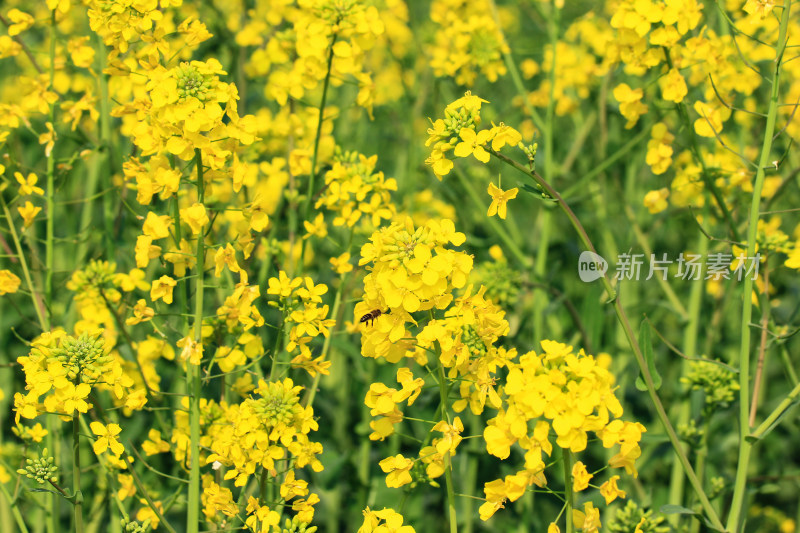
x,y
397,266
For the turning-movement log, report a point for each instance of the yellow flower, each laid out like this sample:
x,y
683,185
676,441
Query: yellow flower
x,y
580,477
499,200
48,139
28,212
196,217
673,86
392,522
587,520
318,228
761,7
192,351
28,185
398,470
495,492
74,398
156,226
154,443
107,438
451,436
504,135
610,491
141,313
711,119
81,53
472,144
9,282
282,285
656,201
225,256
341,264
162,288
136,400
145,250
792,261
630,103
132,280
20,20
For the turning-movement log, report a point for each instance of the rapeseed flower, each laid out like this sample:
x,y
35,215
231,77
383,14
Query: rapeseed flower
x,y
499,200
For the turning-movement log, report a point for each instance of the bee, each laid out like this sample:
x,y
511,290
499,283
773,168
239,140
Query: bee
x,y
372,315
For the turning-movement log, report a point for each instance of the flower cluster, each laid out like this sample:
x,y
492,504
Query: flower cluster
x,y
562,394
303,35
459,131
468,42
63,370
265,435
383,521
555,397
354,190
412,271
299,300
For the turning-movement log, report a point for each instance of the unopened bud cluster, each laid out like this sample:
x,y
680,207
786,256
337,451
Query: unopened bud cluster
x,y
634,518
717,383
41,470
83,355
295,525
132,526
277,405
192,83
457,119
96,275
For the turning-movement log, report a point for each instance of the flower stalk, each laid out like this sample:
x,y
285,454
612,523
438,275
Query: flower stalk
x,y
622,317
735,521
448,460
568,495
193,371
77,495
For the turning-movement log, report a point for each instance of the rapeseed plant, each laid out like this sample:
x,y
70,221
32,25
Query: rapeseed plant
x,y
199,176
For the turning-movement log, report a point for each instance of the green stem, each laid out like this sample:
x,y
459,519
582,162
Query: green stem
x,y
648,252
700,465
471,478
514,71
677,479
262,490
193,371
448,466
44,321
590,176
740,485
76,474
318,136
50,192
337,302
568,496
14,510
622,317
782,407
54,504
708,179
149,499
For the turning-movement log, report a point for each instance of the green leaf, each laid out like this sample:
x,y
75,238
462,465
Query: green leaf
x,y
539,193
751,439
647,349
676,509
